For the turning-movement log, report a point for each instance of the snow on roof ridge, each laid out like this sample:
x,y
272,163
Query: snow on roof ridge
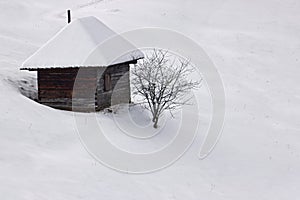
x,y
83,21
79,37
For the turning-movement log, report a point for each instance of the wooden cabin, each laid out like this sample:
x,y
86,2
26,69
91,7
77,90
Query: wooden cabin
x,y
74,72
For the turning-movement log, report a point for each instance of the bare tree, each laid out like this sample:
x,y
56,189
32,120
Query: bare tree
x,y
162,82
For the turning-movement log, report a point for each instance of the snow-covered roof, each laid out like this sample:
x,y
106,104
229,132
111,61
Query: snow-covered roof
x,y
78,44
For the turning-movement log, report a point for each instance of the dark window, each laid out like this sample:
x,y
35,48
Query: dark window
x,y
107,82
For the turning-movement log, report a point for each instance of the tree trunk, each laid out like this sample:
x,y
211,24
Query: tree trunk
x,y
155,122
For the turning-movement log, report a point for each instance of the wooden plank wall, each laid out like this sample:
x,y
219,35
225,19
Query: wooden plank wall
x,y
120,87
82,89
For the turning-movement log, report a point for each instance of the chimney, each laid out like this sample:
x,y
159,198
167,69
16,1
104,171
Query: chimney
x,y
69,16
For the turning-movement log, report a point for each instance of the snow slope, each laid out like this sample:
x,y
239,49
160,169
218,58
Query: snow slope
x,y
256,48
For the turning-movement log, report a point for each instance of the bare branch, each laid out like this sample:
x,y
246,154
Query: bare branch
x,y
163,82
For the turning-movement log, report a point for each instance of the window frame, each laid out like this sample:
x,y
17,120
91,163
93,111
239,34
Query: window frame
x,y
107,82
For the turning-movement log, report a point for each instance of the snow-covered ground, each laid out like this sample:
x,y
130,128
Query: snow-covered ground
x,y
256,48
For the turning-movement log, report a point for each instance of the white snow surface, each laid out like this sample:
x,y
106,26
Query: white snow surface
x,y
255,46
74,44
